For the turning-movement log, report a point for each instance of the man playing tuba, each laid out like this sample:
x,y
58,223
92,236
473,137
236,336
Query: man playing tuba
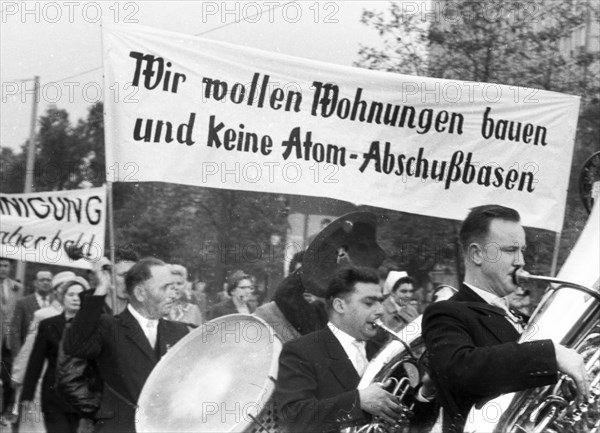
x,y
472,337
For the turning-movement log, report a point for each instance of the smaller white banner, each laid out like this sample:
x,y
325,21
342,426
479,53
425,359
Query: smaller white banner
x,y
42,226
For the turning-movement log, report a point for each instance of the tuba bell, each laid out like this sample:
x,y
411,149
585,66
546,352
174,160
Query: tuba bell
x,y
569,314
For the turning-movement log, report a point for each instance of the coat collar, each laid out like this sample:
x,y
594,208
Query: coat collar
x,y
490,316
134,332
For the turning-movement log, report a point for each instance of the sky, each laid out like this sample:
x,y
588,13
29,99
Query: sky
x,y
61,43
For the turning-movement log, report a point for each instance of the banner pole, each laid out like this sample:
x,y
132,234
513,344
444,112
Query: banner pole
x,y
111,246
555,254
30,167
109,196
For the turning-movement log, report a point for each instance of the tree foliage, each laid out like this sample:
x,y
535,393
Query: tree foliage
x,y
209,231
504,42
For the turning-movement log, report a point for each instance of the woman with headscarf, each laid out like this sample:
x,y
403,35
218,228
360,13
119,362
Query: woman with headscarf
x,y
59,417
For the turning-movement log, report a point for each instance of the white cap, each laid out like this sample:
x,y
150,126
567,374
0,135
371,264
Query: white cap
x,y
61,277
391,279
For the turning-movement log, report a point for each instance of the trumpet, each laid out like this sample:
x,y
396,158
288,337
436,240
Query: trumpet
x,y
396,368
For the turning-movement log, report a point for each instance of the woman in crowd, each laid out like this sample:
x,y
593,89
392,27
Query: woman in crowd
x,y
59,417
182,309
239,287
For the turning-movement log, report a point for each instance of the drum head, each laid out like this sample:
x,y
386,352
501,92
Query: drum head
x,y
218,378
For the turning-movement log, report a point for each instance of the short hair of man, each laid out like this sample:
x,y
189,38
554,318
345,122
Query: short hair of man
x,y
403,280
140,272
343,281
477,224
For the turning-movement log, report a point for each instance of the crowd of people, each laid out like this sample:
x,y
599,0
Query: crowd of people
x,y
120,328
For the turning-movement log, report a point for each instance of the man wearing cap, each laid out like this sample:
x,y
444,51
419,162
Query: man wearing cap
x,y
319,372
25,307
127,346
399,308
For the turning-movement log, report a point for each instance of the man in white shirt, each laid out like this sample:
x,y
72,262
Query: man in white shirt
x,y
472,337
126,347
319,372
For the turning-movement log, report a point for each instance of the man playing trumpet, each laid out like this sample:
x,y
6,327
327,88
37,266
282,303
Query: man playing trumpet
x,y
319,372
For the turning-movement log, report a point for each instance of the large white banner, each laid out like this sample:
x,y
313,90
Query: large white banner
x,y
188,110
42,226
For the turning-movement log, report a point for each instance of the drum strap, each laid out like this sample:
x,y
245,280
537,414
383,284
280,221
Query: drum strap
x,y
121,396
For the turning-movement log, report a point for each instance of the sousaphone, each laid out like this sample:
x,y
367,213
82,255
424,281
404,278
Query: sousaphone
x,y
349,240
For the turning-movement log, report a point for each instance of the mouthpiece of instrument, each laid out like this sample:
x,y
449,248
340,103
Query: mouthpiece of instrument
x,y
520,275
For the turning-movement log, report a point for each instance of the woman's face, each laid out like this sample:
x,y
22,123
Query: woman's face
x,y
243,290
71,300
178,285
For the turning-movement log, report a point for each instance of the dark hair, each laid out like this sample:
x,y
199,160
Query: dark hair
x,y
140,272
477,224
235,278
126,254
298,257
403,280
344,280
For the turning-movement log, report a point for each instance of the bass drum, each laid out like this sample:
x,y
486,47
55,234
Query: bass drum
x,y
219,378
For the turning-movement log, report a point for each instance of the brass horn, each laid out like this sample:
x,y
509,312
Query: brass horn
x,y
349,240
521,276
396,367
568,314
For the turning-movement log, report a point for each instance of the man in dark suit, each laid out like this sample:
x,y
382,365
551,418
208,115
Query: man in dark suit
x,y
319,372
126,347
472,337
26,306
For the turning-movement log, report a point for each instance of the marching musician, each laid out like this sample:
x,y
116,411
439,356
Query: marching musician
x,y
472,337
319,372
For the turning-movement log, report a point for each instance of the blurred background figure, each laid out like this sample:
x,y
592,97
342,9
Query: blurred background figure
x,y
520,300
442,293
239,287
59,417
182,309
26,306
400,307
55,308
125,258
200,298
10,291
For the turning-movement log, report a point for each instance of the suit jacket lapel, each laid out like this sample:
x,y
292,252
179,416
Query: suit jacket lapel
x,y
163,338
340,365
134,332
490,316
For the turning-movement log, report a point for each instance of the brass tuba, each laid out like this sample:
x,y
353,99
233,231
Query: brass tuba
x,y
569,314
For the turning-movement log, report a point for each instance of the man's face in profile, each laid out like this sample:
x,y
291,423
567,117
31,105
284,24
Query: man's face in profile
x,y
501,254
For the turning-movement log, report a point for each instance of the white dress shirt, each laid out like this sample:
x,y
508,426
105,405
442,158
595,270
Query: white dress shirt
x,y
355,349
149,326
